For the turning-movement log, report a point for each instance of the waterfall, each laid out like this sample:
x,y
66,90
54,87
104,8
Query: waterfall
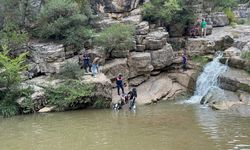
x,y
208,78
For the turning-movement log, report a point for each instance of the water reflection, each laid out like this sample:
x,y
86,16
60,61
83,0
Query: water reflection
x,y
165,126
228,130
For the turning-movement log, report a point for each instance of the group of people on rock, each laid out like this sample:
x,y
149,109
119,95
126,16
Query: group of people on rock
x,y
84,61
130,97
200,28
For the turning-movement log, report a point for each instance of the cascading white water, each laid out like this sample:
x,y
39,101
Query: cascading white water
x,y
208,78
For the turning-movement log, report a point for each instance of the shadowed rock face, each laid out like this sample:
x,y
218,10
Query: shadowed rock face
x,y
114,6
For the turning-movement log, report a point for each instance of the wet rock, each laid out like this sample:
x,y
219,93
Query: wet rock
x,y
139,64
112,68
235,79
163,57
47,109
241,109
186,79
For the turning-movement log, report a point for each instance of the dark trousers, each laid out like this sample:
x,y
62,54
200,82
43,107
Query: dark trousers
x,y
118,89
86,65
184,67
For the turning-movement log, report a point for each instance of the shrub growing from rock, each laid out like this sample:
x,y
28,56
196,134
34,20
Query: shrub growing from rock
x,y
71,70
71,94
62,20
116,37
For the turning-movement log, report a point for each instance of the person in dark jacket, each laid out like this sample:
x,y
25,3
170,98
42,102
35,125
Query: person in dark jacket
x,y
184,62
132,98
86,62
119,84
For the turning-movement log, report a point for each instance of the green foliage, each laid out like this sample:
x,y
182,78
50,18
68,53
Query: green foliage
x,y
160,10
10,68
116,37
71,71
200,59
69,94
27,105
230,15
63,20
9,81
12,36
246,55
226,3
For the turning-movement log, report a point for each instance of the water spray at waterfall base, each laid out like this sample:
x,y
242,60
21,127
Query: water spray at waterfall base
x,y
208,79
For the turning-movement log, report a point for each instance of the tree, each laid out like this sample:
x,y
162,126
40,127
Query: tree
x,y
116,37
160,10
62,20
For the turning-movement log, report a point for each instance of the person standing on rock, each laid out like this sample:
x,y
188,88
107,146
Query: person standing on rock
x,y
95,67
86,62
119,84
184,62
203,28
132,97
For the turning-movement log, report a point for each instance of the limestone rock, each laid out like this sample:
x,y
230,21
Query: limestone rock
x,y
163,57
187,79
154,89
155,40
219,19
119,53
241,109
47,52
235,79
47,109
138,80
98,52
232,51
142,28
102,86
139,64
114,6
112,68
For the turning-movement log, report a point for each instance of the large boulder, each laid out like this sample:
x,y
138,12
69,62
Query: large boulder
x,y
219,19
163,57
157,88
235,79
139,64
235,62
114,6
138,80
112,68
155,40
187,79
220,99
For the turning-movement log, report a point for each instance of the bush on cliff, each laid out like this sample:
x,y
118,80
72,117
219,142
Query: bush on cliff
x,y
13,36
9,82
62,20
71,70
71,94
160,10
116,37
